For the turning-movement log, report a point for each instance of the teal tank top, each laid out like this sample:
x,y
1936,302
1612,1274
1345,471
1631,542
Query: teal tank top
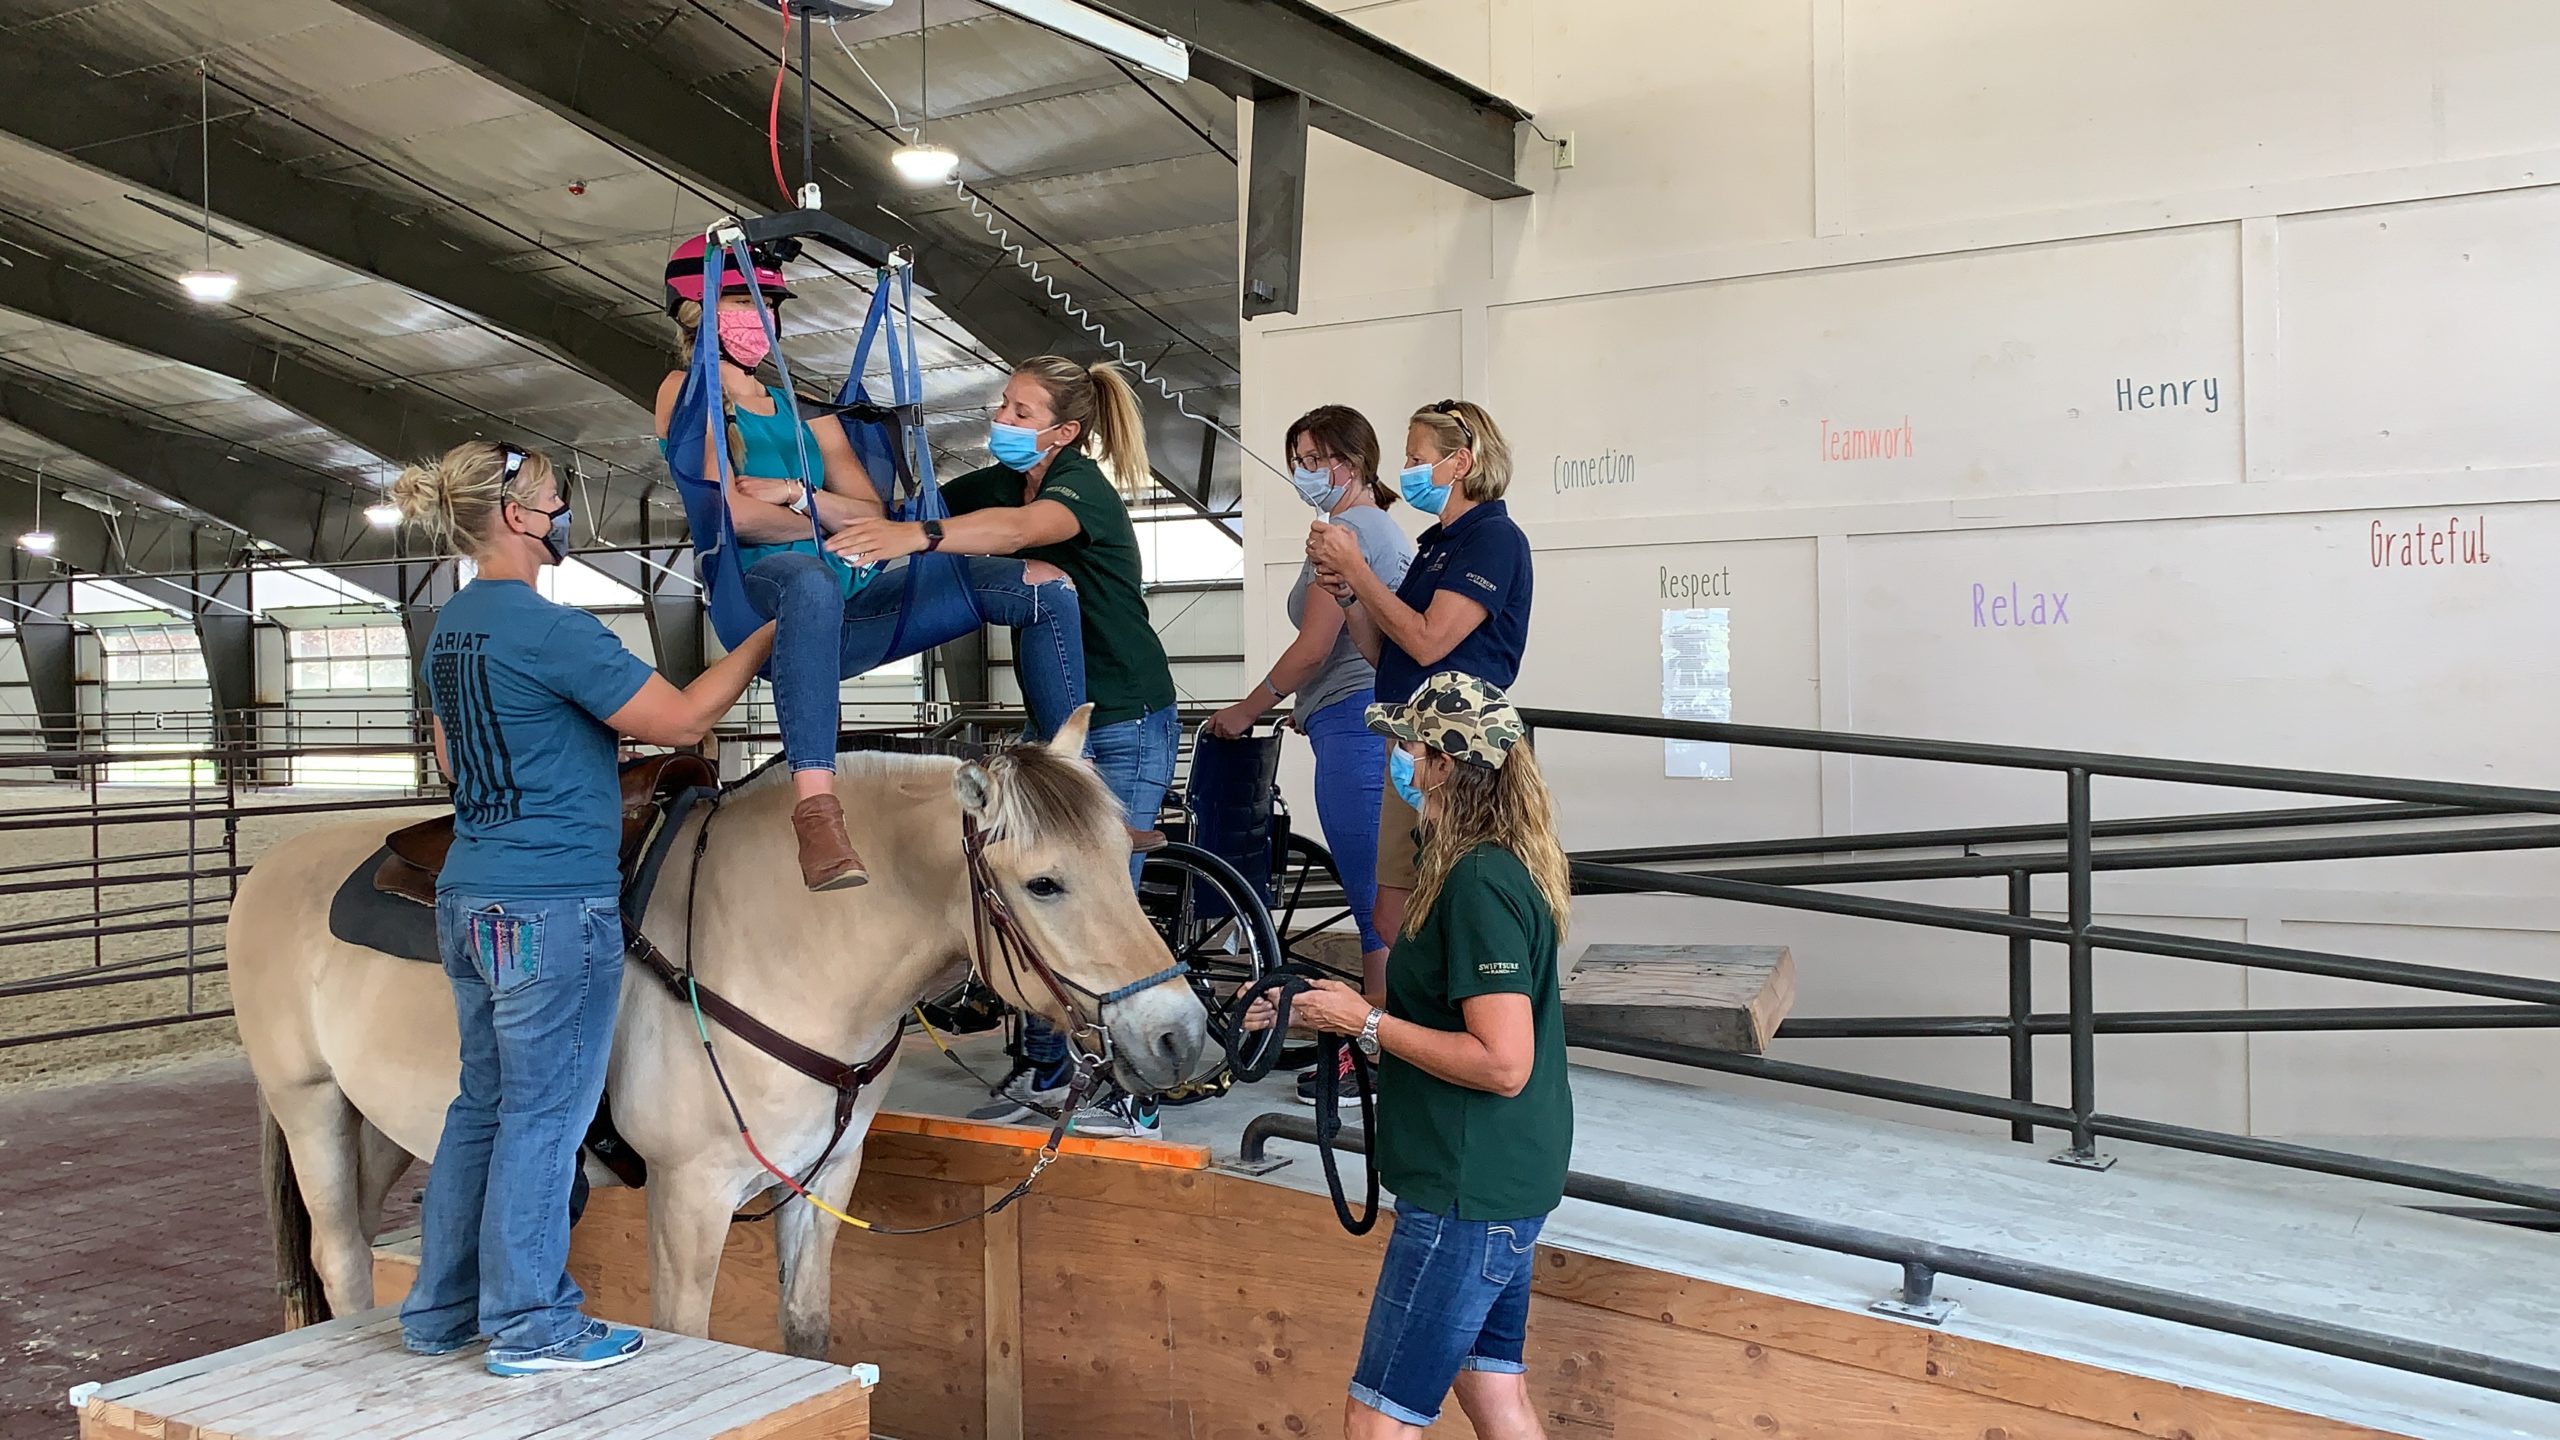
x,y
775,444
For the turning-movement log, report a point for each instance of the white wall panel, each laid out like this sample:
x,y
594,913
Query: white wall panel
x,y
2013,372
1961,108
2421,337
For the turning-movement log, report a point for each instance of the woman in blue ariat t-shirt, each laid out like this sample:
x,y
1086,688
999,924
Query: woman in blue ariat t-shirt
x,y
528,699
789,470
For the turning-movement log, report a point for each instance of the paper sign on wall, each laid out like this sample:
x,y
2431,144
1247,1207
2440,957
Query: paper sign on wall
x,y
1697,684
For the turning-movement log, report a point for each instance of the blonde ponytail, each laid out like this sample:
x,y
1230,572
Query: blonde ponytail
x,y
1119,429
456,497
1463,425
1104,406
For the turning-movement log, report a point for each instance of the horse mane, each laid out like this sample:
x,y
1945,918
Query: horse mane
x,y
1037,795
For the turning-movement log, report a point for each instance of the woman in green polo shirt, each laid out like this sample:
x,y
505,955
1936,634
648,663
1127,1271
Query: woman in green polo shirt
x,y
1475,1115
1047,499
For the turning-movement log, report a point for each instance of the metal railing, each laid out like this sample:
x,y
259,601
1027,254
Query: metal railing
x,y
2404,817
2427,817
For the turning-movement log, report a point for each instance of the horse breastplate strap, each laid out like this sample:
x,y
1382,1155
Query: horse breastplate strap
x,y
846,1080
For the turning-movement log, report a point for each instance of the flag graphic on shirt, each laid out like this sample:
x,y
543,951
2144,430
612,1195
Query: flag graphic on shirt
x,y
485,791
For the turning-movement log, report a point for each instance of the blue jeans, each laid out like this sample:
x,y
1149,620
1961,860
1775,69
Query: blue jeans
x,y
1452,1295
822,633
536,984
1135,760
1351,776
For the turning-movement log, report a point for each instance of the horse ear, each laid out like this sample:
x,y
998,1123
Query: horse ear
x,y
1069,741
975,788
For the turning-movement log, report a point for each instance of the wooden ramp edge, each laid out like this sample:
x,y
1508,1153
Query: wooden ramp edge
x,y
353,1377
1168,1154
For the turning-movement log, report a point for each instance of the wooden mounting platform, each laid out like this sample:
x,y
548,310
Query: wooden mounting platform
x,y
352,1377
1721,997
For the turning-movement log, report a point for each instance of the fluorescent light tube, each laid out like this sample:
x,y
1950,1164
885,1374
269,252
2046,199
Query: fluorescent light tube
x,y
1164,55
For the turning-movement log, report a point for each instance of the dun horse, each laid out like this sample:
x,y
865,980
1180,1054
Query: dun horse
x,y
356,1052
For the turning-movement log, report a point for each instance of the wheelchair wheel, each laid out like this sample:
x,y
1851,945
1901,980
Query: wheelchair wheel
x,y
1213,922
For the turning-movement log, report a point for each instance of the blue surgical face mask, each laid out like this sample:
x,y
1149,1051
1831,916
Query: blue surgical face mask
x,y
1015,447
1400,775
1316,487
1419,492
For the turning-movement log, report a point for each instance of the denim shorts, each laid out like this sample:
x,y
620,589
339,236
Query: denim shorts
x,y
1452,1295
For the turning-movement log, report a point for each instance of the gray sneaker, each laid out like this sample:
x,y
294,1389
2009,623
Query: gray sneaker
x,y
1020,1099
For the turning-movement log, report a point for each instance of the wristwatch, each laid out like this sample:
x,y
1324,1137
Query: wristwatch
x,y
932,536
1368,1038
799,503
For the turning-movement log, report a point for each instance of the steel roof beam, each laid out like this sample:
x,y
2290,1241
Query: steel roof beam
x,y
1358,87
115,127
374,417
310,520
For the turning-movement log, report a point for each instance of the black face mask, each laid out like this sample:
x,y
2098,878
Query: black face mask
x,y
556,538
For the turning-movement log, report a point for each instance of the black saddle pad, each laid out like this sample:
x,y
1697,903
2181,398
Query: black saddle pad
x,y
362,915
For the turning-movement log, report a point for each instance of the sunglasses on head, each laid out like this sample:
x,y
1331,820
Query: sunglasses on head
x,y
1450,409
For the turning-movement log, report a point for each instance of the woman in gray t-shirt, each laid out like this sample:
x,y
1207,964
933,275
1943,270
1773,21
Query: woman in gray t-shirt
x,y
1333,454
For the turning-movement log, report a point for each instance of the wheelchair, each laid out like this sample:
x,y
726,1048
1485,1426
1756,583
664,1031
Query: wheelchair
x,y
1237,892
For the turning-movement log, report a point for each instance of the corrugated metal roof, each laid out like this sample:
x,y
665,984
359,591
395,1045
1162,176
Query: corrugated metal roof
x,y
1123,185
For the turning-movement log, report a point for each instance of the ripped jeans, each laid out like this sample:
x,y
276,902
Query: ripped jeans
x,y
822,632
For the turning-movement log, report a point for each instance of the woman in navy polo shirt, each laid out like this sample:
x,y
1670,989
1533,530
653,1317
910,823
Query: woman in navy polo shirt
x,y
1463,605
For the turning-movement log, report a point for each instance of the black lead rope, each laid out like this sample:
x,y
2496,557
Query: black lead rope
x,y
1252,1053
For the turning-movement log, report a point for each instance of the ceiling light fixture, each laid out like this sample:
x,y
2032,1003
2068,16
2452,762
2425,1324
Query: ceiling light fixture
x,y
922,164
38,541
919,161
207,286
1146,49
382,514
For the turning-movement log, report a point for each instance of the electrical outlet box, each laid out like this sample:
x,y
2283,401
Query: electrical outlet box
x,y
1563,151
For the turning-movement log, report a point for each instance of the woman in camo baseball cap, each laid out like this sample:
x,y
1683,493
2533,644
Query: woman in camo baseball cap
x,y
1475,1116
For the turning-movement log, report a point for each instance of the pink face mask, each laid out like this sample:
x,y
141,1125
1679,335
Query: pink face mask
x,y
742,336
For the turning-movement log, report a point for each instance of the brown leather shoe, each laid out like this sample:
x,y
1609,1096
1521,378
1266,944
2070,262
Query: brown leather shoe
x,y
1144,842
827,859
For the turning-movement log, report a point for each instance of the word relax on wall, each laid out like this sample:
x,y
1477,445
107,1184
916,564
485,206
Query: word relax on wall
x,y
2009,610
2204,391
2453,543
1609,467
1893,443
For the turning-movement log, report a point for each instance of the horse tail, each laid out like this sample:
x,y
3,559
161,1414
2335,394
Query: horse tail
x,y
289,1225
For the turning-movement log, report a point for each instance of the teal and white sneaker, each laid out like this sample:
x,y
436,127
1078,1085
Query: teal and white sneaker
x,y
1118,1114
603,1346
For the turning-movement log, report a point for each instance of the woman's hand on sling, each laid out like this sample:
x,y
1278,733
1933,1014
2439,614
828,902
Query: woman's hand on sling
x,y
1334,548
875,541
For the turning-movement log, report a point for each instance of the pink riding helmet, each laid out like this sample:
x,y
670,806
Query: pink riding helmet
x,y
684,276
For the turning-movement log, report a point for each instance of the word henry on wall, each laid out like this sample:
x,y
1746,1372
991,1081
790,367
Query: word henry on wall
x,y
1609,467
2455,542
2204,392
1891,443
1697,684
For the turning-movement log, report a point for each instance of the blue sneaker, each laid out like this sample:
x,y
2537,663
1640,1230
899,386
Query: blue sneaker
x,y
603,1345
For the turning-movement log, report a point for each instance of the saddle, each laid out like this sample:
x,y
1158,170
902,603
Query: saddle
x,y
414,855
388,902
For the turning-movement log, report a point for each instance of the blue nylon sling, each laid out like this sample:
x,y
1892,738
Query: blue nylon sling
x,y
936,603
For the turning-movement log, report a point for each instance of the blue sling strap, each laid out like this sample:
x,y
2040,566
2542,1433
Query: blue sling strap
x,y
935,604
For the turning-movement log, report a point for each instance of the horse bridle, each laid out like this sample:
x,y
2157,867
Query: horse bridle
x,y
995,927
